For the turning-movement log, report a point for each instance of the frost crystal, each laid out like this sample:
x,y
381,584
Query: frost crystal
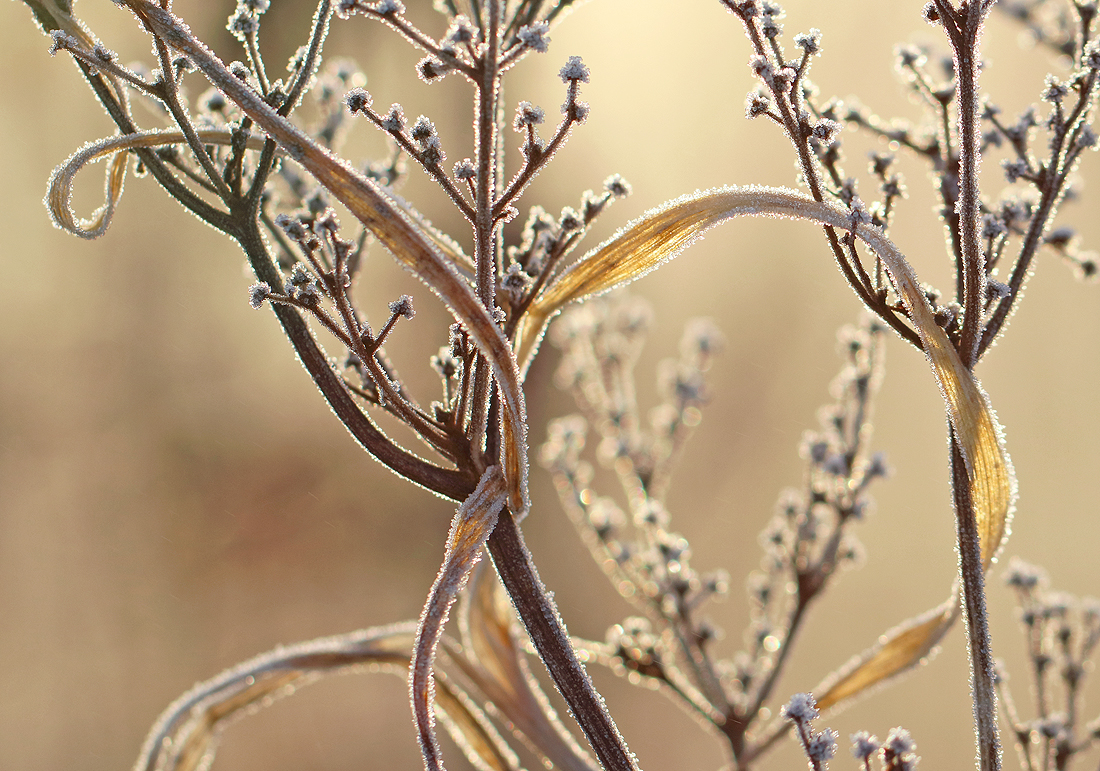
x,y
257,293
357,99
465,170
243,23
810,43
403,306
460,32
534,36
617,186
423,129
394,121
822,747
801,708
389,8
574,70
528,114
864,745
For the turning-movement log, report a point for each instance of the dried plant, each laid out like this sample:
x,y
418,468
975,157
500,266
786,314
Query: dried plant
x,y
242,159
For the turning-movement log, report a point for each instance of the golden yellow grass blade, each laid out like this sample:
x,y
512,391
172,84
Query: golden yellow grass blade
x,y
471,729
185,737
60,190
900,649
471,527
663,233
496,665
385,219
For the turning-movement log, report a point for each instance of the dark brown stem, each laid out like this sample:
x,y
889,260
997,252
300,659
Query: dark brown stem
x,y
964,29
540,617
453,484
977,625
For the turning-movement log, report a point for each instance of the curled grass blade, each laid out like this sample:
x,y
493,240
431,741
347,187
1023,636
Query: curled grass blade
x,y
185,736
470,529
663,233
60,190
386,220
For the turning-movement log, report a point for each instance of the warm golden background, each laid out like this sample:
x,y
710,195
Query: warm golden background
x,y
175,496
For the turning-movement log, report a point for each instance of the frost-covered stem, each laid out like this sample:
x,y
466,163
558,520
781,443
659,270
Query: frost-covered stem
x,y
257,62
532,167
982,676
485,257
423,42
388,390
165,178
540,617
434,170
486,122
964,30
313,57
702,667
1020,732
1053,190
794,130
169,93
453,484
741,725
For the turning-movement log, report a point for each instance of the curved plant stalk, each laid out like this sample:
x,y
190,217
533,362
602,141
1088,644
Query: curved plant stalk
x,y
386,220
472,525
185,736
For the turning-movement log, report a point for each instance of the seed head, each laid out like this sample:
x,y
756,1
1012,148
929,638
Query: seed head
x,y
617,186
802,708
528,114
403,306
358,100
574,70
534,36
258,293
394,122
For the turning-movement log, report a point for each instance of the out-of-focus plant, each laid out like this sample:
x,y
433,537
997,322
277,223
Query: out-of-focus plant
x,y
242,160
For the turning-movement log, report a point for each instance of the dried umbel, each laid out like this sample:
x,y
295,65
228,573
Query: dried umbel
x,y
242,159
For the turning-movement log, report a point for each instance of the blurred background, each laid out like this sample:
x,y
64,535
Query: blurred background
x,y
175,496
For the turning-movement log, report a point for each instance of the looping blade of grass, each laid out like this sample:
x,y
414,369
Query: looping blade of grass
x,y
663,233
386,220
472,525
60,190
185,736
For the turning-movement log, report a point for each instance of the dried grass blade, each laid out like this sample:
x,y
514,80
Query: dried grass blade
x,y
900,649
496,666
470,529
185,736
386,220
60,190
663,233
471,729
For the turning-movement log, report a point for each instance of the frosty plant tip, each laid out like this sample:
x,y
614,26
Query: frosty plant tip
x,y
243,159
